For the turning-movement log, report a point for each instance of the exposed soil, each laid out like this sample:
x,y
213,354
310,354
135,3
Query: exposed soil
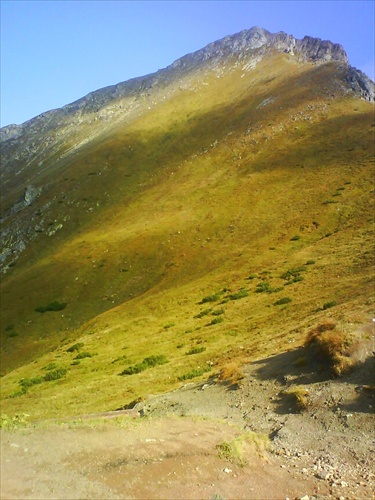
x,y
170,451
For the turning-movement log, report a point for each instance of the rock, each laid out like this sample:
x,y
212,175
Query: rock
x,y
227,471
323,474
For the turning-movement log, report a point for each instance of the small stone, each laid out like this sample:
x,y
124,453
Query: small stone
x,y
304,470
323,475
306,497
343,484
227,471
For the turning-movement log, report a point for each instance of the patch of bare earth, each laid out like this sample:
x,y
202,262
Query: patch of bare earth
x,y
323,450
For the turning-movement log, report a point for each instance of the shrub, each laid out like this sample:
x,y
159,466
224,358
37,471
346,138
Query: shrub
x,y
310,262
75,347
149,362
216,321
293,275
52,306
55,375
203,313
231,373
218,312
211,298
84,354
330,347
194,373
239,295
195,350
329,304
29,382
50,366
295,238
155,360
264,286
282,301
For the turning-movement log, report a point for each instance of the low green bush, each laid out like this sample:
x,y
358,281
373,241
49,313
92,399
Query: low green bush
x,y
282,301
203,313
55,374
211,298
216,320
196,350
329,304
148,362
75,347
262,287
239,295
194,373
50,366
52,306
218,312
83,355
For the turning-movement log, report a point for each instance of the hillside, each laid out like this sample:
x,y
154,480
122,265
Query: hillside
x,y
163,219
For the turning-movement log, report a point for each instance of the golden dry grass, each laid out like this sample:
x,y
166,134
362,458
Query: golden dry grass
x,y
189,203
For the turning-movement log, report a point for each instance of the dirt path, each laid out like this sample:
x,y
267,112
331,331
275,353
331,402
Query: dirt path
x,y
171,451
159,458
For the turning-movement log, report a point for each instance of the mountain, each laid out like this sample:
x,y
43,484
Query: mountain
x,y
212,211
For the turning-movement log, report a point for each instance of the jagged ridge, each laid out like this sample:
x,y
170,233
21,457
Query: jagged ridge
x,y
308,49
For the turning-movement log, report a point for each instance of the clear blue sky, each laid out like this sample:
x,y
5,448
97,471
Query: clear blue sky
x,y
54,52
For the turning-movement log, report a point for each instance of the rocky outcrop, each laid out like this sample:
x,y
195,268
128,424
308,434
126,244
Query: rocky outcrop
x,y
360,84
10,132
317,50
30,194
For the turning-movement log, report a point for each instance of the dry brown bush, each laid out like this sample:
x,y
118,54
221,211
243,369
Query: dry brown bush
x,y
231,373
330,346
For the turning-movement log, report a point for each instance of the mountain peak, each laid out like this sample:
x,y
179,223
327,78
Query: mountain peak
x,y
308,49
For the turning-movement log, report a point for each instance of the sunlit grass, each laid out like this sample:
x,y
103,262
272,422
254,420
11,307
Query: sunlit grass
x,y
189,203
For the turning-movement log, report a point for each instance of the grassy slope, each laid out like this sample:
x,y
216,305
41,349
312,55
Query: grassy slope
x,y
187,200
